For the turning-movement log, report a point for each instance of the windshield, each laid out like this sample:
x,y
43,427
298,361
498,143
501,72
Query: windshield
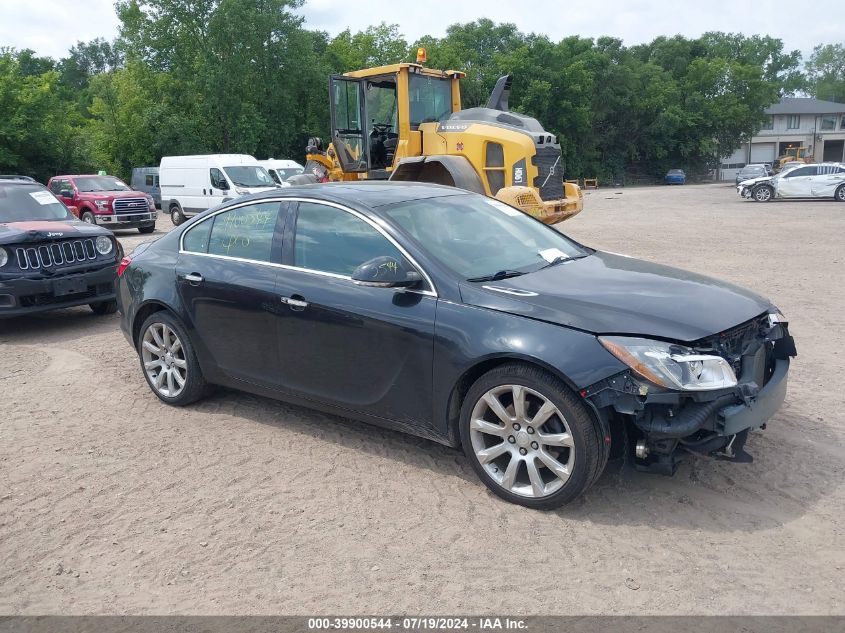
x,y
431,99
248,176
476,236
284,174
19,203
100,183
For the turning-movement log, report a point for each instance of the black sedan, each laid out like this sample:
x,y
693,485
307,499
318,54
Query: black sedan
x,y
455,317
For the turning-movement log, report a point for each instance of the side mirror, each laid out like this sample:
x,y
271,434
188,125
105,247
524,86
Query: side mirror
x,y
385,272
66,193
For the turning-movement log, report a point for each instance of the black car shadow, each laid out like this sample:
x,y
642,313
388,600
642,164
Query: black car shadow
x,y
704,495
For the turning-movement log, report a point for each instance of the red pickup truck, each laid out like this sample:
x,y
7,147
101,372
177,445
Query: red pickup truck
x,y
107,201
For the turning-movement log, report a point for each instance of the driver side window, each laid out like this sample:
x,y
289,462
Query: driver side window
x,y
218,180
332,240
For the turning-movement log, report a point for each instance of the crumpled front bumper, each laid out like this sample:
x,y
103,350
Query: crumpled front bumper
x,y
752,415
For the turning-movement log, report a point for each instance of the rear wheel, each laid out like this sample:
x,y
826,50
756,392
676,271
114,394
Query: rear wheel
x,y
168,360
839,196
763,193
529,438
176,215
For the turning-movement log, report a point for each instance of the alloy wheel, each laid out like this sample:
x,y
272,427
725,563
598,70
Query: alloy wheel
x,y
164,360
762,194
522,440
840,194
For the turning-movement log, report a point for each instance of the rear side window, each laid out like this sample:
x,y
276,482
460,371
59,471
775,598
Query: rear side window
x,y
245,232
331,240
148,181
196,239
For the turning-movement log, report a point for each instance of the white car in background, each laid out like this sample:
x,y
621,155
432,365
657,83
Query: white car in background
x,y
824,180
281,170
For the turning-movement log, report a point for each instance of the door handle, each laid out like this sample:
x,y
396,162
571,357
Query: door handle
x,y
193,278
295,302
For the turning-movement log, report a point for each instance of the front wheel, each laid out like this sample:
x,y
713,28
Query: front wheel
x,y
529,438
87,217
145,230
839,196
168,360
762,194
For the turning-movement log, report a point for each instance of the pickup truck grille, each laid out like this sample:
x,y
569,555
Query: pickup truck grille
x,y
549,180
130,205
56,254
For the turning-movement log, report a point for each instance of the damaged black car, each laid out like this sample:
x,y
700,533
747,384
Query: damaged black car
x,y
457,318
48,258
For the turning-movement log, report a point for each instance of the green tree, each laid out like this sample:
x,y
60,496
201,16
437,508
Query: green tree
x,y
826,72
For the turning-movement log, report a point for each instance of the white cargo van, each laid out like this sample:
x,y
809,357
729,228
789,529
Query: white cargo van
x,y
192,184
281,170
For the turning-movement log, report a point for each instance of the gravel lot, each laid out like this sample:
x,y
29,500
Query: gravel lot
x,y
111,502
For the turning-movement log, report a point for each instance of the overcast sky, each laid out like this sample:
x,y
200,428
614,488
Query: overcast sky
x,y
51,27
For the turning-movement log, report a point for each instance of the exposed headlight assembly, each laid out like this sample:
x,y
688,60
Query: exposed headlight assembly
x,y
669,365
104,245
4,257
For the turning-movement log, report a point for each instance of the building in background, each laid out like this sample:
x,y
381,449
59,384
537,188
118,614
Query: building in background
x,y
794,122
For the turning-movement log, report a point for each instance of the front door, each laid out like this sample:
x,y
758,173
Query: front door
x,y
797,182
227,283
361,348
347,118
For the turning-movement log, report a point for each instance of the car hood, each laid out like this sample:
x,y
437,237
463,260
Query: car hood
x,y
754,181
606,293
111,194
41,230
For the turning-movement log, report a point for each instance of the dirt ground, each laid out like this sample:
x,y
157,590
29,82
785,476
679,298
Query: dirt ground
x,y
112,502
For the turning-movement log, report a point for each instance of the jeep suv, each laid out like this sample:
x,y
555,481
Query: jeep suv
x,y
107,201
48,258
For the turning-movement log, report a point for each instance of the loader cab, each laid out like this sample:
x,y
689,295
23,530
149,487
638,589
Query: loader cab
x,y
376,114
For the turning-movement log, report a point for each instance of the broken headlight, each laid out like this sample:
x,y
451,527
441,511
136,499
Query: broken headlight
x,y
670,365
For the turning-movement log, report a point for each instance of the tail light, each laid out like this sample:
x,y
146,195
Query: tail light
x,y
124,263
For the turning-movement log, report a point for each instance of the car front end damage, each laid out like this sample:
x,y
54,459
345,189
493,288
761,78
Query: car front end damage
x,y
702,397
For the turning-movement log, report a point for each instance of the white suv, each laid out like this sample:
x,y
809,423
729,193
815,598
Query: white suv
x,y
825,180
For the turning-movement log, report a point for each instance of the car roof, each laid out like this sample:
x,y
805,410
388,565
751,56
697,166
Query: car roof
x,y
83,176
369,193
17,180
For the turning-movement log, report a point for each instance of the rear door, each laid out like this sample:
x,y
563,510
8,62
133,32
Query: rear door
x,y
797,183
825,183
226,277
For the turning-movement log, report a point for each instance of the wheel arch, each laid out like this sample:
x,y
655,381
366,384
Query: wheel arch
x,y
454,171
478,369
143,313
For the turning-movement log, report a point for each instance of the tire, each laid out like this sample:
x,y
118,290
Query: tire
x,y
163,331
104,307
762,193
145,230
88,217
176,215
839,196
573,443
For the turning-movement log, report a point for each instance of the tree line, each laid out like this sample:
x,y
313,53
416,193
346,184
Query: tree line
x,y
246,76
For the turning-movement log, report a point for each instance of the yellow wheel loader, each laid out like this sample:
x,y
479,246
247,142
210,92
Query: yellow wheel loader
x,y
404,122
